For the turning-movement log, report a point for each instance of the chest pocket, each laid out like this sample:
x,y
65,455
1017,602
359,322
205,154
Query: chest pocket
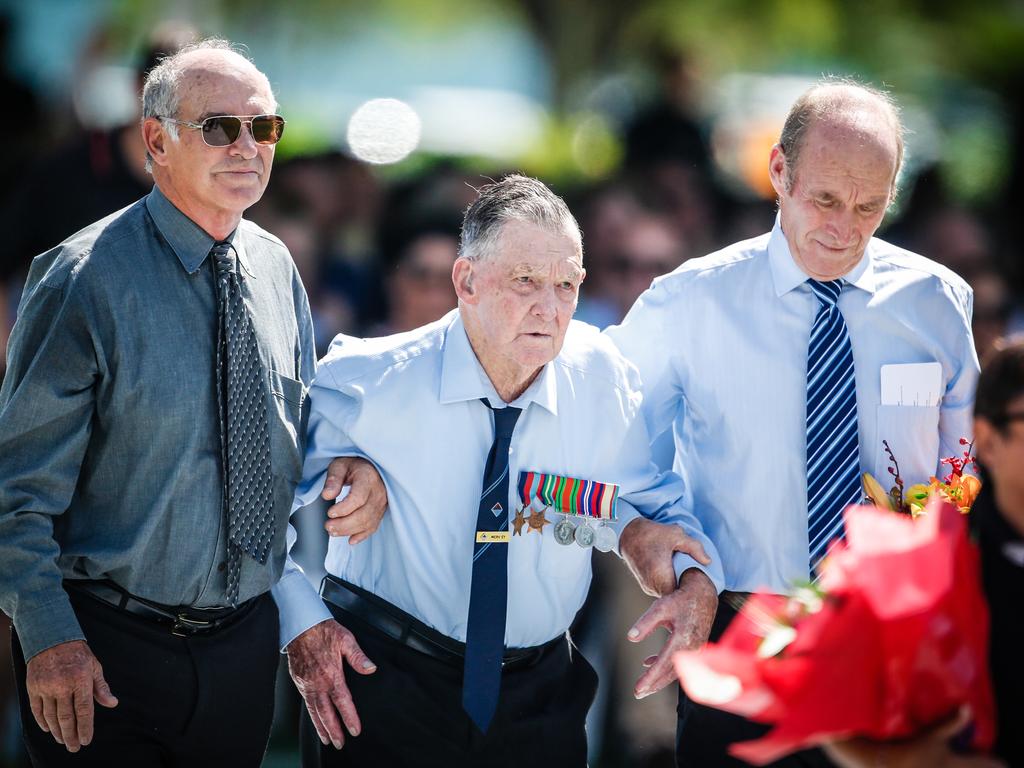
x,y
287,425
912,432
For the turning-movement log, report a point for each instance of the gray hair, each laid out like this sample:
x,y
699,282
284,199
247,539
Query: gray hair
x,y
837,97
513,198
160,96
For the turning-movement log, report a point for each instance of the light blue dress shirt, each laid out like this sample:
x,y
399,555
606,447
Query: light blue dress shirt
x,y
411,404
721,345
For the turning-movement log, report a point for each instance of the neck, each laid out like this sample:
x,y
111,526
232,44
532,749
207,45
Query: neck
x,y
509,378
216,222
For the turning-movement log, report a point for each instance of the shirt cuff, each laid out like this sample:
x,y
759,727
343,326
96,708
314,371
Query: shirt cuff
x,y
299,606
44,627
625,513
682,562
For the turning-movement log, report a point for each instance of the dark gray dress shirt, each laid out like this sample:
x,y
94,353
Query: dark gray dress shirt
x,y
110,453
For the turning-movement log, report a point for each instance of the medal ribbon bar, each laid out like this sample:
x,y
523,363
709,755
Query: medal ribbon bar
x,y
570,496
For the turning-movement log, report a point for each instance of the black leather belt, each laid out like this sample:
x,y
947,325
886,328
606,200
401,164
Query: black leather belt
x,y
413,633
183,621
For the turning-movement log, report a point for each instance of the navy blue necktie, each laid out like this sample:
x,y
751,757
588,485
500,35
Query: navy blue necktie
x,y
488,598
833,455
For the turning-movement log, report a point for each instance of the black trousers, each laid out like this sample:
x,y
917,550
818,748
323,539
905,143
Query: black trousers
x,y
411,711
205,700
703,734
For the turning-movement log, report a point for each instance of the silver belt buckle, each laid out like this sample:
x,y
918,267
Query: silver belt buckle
x,y
186,627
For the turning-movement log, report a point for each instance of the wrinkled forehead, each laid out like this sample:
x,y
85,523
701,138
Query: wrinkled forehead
x,y
222,82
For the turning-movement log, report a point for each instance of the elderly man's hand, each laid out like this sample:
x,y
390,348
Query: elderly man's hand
x,y
62,682
929,750
360,512
315,664
647,548
687,614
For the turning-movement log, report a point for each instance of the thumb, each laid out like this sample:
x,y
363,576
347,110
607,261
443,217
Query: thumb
x,y
694,549
358,660
100,689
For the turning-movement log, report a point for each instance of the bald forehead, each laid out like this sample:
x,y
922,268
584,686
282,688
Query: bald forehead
x,y
854,111
198,66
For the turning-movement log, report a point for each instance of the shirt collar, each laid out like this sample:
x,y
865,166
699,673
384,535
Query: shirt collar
x,y
463,378
190,243
786,275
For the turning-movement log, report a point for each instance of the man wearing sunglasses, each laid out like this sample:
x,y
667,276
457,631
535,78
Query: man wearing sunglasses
x,y
149,447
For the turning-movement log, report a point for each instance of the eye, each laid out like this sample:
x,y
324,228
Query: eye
x,y
567,285
824,202
868,210
524,279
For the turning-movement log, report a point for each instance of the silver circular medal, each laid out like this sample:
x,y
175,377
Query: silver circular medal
x,y
604,538
564,530
584,535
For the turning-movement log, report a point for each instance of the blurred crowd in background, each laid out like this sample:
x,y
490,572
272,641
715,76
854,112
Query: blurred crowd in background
x,y
375,244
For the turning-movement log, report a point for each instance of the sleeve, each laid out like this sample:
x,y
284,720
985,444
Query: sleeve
x,y
47,403
656,494
956,413
642,339
331,410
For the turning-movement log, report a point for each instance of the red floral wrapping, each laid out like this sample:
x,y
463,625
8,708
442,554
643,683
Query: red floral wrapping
x,y
899,644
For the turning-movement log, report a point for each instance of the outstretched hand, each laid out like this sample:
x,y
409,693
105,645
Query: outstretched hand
x,y
315,665
687,614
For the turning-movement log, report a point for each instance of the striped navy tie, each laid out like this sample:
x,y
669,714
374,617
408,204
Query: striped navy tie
x,y
833,455
488,596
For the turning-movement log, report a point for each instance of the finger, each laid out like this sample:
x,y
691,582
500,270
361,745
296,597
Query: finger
x,y
321,732
100,690
66,721
649,661
337,473
694,549
83,715
651,619
362,521
358,660
658,675
342,700
356,499
35,703
50,715
329,718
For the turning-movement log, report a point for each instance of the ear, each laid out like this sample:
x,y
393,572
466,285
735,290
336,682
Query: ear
x,y
155,137
463,279
986,439
778,170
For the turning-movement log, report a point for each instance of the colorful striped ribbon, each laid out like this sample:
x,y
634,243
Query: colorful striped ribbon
x,y
583,498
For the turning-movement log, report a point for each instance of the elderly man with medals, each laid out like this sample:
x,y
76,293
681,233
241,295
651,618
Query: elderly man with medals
x,y
501,481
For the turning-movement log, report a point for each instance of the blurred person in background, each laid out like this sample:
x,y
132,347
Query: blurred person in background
x,y
993,308
997,523
649,248
97,173
763,362
149,446
418,279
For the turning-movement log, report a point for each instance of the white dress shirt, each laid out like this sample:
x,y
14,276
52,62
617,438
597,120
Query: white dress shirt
x,y
410,403
721,345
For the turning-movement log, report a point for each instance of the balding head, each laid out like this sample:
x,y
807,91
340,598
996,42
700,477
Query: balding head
x,y
844,107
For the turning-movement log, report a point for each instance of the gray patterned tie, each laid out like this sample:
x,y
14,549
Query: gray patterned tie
x,y
244,431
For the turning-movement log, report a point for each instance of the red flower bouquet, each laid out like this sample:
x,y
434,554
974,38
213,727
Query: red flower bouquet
x,y
893,639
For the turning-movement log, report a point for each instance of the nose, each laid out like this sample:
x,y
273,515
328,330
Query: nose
x,y
245,145
840,225
546,306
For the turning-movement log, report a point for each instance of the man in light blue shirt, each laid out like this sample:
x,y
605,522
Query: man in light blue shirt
x,y
780,364
425,406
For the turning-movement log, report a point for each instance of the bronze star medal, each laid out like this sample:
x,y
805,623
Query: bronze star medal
x,y
537,520
518,522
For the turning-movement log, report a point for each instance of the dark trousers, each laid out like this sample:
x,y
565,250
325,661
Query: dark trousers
x,y
205,700
411,711
703,734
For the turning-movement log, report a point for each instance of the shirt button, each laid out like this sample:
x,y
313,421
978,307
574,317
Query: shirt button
x,y
222,567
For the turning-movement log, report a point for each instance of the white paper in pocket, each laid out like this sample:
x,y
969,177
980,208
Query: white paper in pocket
x,y
912,384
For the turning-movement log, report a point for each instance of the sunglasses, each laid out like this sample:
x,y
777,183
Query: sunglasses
x,y
224,130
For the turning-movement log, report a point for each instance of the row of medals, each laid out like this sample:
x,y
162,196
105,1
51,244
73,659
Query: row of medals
x,y
567,530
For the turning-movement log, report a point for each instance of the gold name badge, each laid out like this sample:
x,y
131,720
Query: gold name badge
x,y
492,537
